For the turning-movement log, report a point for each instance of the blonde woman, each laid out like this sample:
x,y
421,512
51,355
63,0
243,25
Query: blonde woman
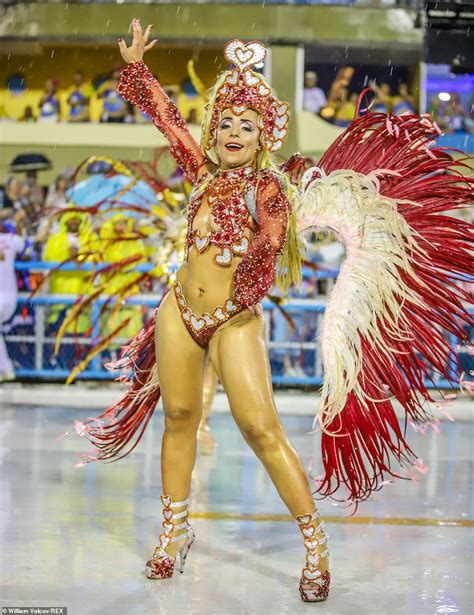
x,y
381,188
237,228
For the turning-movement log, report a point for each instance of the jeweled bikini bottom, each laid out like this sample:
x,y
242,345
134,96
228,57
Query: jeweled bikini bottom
x,y
202,327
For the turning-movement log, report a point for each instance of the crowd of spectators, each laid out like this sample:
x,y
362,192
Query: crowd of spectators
x,y
450,113
339,103
85,101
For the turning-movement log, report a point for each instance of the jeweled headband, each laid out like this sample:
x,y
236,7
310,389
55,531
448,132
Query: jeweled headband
x,y
244,88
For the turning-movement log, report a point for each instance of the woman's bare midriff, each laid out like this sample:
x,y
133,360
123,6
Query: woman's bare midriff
x,y
205,283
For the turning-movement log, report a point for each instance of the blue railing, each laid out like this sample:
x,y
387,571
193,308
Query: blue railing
x,y
294,354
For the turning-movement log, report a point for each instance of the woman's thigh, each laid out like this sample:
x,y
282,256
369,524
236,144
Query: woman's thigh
x,y
240,355
180,361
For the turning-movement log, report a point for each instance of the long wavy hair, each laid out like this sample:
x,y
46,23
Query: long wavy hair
x,y
288,271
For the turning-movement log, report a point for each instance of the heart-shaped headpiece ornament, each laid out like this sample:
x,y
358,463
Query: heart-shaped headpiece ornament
x,y
242,88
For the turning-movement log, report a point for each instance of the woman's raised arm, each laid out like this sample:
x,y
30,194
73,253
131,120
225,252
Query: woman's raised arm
x,y
138,86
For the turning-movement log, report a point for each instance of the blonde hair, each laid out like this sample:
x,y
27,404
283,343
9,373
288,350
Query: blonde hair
x,y
288,271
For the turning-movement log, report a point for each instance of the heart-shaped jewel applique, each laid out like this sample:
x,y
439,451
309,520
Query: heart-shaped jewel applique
x,y
168,527
263,90
230,306
166,500
311,544
279,134
244,55
182,301
313,559
309,531
219,314
239,109
240,248
223,89
276,145
164,540
311,575
177,288
197,323
250,78
281,121
167,513
282,109
201,243
186,315
304,519
224,258
232,78
209,320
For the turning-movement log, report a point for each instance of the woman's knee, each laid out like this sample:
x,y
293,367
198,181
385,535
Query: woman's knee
x,y
263,438
181,416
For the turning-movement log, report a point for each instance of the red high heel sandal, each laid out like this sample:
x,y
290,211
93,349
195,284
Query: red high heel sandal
x,y
315,576
161,565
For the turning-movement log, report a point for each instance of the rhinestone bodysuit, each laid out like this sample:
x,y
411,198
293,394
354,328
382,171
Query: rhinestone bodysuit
x,y
225,193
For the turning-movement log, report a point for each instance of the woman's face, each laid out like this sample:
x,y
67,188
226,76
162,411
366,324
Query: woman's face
x,y
237,138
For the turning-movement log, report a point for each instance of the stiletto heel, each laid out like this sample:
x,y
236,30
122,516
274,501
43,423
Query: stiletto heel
x,y
315,576
183,552
161,565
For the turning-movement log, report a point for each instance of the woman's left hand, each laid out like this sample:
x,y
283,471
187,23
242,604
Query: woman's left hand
x,y
256,309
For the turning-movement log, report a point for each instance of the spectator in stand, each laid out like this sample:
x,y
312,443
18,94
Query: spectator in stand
x,y
36,192
454,115
383,98
345,111
10,246
115,108
78,99
403,101
119,241
27,115
340,85
314,98
74,240
56,200
11,200
32,199
469,122
49,103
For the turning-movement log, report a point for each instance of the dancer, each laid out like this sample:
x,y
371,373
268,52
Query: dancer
x,y
11,245
381,328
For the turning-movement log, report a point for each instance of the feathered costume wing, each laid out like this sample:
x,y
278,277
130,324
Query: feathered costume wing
x,y
387,194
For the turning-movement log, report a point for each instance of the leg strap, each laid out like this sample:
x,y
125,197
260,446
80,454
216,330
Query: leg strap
x,y
179,504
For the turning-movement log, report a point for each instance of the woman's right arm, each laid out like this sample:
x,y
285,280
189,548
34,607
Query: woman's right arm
x,y
138,86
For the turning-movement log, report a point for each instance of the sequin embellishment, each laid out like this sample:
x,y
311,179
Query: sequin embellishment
x,y
201,322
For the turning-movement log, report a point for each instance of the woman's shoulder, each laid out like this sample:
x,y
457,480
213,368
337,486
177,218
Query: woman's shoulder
x,y
270,179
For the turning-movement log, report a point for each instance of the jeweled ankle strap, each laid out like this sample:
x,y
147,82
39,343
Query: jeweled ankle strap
x,y
169,525
306,519
179,504
167,502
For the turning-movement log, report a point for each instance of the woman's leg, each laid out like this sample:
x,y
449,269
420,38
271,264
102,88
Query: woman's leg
x,y
209,391
180,363
240,354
